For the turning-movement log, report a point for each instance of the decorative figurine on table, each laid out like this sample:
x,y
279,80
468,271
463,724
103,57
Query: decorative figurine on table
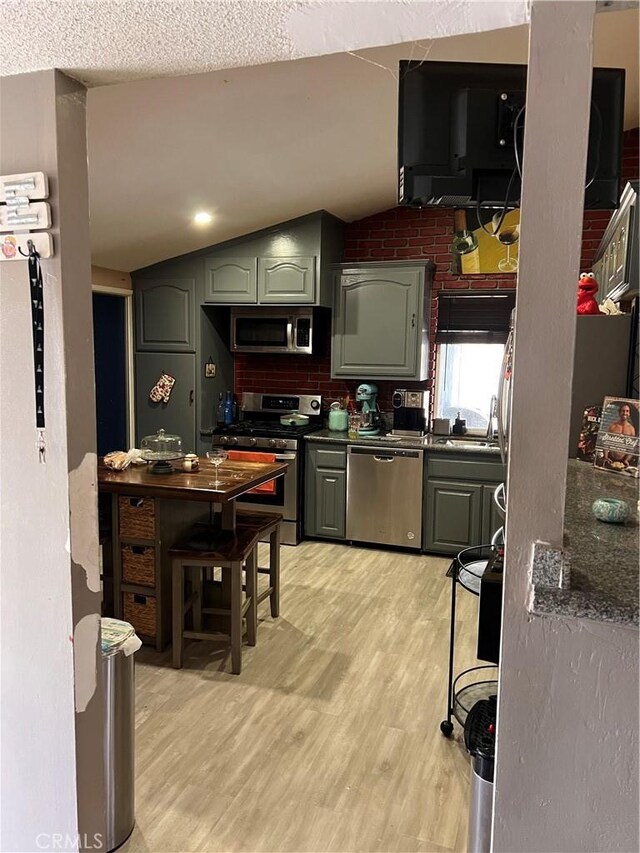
x,y
587,289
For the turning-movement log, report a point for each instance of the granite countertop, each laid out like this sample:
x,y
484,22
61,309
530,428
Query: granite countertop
x,y
595,575
428,442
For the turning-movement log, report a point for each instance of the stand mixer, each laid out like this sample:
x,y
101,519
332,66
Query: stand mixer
x,y
367,394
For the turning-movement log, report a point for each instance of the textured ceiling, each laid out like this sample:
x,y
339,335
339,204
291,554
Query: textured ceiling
x,y
109,41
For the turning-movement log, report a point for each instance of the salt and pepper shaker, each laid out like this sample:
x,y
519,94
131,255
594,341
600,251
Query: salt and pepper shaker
x,y
191,462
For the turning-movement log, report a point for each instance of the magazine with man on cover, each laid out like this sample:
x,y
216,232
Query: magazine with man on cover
x,y
618,444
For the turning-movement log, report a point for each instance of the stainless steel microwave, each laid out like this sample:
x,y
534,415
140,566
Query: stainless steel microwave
x,y
283,330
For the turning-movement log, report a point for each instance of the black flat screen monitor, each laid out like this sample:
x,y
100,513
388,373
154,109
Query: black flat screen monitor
x,y
460,133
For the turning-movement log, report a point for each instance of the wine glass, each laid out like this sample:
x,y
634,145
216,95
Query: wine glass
x,y
508,235
217,456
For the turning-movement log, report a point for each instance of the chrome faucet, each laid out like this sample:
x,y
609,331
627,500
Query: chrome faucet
x,y
493,412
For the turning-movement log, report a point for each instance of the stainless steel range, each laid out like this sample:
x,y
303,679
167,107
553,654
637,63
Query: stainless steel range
x,y
261,432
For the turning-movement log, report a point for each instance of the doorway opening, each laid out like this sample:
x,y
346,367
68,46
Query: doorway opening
x,y
113,361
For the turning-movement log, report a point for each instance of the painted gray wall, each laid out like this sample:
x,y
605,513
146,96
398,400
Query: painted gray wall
x,y
567,752
52,770
601,360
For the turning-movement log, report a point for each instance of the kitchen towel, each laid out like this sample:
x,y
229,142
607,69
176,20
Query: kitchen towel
x,y
270,458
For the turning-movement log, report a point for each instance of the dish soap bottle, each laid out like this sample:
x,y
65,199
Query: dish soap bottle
x,y
460,426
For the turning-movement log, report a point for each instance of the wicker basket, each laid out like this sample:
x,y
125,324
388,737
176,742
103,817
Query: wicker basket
x,y
137,517
139,564
140,610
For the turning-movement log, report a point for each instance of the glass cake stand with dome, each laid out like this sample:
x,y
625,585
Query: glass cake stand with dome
x,y
162,449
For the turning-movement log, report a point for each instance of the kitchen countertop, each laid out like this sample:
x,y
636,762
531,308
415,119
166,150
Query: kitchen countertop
x,y
429,442
595,575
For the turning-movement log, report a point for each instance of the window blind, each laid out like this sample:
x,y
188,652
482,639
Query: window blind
x,y
473,318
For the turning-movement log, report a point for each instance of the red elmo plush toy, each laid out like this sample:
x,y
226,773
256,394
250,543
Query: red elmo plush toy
x,y
587,289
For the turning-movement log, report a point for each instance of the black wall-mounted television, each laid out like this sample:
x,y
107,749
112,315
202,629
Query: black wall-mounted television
x,y
460,134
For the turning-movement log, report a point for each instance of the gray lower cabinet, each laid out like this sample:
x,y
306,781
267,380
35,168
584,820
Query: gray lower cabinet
x,y
231,281
459,510
453,516
283,281
325,491
381,321
178,416
330,503
166,315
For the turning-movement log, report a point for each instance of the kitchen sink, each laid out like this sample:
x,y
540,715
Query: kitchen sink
x,y
452,441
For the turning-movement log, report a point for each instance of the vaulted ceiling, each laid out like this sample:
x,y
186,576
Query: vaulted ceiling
x,y
265,140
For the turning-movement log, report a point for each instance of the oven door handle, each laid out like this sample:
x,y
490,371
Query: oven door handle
x,y
284,457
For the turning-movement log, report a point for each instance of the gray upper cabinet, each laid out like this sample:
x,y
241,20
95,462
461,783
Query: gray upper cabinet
x,y
616,260
287,281
165,315
231,281
381,321
291,263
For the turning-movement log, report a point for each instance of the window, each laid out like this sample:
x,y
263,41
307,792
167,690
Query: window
x,y
466,379
472,331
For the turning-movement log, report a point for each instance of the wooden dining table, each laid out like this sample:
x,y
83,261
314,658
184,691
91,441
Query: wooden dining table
x,y
235,479
149,512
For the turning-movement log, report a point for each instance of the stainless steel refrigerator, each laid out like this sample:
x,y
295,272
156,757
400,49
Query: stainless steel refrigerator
x,y
601,367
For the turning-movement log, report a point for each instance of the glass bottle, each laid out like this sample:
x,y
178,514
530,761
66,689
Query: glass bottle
x,y
229,408
220,411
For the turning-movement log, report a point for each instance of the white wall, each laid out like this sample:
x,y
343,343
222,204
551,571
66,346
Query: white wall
x,y
567,751
568,775
51,770
37,731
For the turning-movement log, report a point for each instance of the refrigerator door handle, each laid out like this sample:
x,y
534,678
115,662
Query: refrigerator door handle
x,y
502,391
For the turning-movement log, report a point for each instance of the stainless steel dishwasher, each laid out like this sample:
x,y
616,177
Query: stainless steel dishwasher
x,y
384,495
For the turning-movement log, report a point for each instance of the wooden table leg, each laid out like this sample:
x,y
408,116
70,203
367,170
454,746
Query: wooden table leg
x,y
116,558
229,515
274,572
196,586
178,612
251,572
236,617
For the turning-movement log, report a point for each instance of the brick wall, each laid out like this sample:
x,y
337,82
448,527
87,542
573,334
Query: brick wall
x,y
403,234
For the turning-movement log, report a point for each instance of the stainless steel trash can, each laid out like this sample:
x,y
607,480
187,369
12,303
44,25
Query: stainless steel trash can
x,y
480,739
119,735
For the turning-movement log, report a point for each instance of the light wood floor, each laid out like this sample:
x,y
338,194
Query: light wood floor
x,y
329,739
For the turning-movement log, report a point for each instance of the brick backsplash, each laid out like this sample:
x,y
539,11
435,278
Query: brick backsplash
x,y
410,235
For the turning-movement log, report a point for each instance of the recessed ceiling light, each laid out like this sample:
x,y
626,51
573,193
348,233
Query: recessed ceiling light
x,y
203,218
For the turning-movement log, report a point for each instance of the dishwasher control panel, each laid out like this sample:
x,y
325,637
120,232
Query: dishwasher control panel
x,y
374,451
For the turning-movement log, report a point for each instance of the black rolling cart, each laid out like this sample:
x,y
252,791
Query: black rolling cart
x,y
477,682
